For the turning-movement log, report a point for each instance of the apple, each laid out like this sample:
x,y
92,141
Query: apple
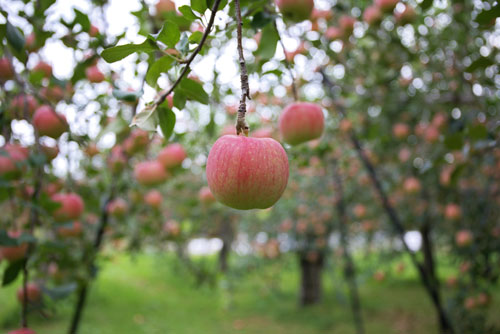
x,y
463,238
117,159
333,33
164,6
296,10
407,15
11,157
452,211
149,173
93,31
379,275
75,230
33,292
431,134
71,206
412,185
117,207
50,152
22,331
13,253
300,122
49,123
247,173
470,303
91,150
386,6
205,196
172,228
359,211
6,70
401,130
43,68
372,15
346,23
53,93
153,198
170,100
172,156
31,44
321,14
21,103
94,74
137,141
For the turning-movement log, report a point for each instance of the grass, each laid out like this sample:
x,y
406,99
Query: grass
x,y
154,295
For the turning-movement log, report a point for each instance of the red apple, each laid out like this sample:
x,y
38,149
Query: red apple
x,y
75,230
463,238
22,331
53,93
247,173
91,150
386,6
149,173
452,211
44,68
346,23
94,74
6,70
172,228
296,10
31,44
164,6
93,31
118,207
153,198
300,122
205,196
33,291
71,206
172,156
372,15
137,141
11,157
49,123
13,253
50,152
359,211
407,15
401,130
412,185
23,102
333,33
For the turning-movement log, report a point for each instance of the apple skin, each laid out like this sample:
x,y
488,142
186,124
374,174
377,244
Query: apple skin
x,y
94,74
205,196
164,6
18,104
463,238
44,68
172,156
33,290
22,331
50,152
117,208
150,173
10,156
296,10
300,122
386,6
247,173
71,206
13,253
153,198
93,31
48,123
372,15
6,70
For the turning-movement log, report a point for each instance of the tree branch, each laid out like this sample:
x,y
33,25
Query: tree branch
x,y
241,124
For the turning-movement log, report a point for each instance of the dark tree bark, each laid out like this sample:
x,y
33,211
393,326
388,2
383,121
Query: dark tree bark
x,y
311,289
227,236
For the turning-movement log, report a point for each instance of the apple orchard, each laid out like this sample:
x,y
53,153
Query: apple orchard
x,y
352,141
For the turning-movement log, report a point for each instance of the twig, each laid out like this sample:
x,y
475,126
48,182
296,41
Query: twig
x,y
161,98
241,124
287,64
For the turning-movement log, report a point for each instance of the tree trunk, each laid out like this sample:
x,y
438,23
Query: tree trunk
x,y
311,287
227,236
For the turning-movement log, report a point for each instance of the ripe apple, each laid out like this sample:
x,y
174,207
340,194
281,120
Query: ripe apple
x,y
93,31
6,70
401,130
359,211
22,331
117,159
164,6
33,292
11,157
452,211
300,122
49,123
247,173
407,15
386,6
412,185
172,228
23,102
43,68
333,33
75,230
31,44
346,23
91,150
50,152
13,253
52,93
149,173
172,156
170,100
71,206
463,238
372,15
205,196
94,74
153,198
296,10
117,208
137,141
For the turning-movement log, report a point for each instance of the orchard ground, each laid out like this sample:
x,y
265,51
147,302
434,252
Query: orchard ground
x,y
148,293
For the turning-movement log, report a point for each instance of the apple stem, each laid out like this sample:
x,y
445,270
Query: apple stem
x,y
241,124
287,64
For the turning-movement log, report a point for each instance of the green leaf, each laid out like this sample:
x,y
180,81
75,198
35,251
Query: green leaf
x,y
147,119
478,132
14,37
210,4
126,95
426,4
42,6
454,141
167,121
169,34
196,37
199,5
488,16
180,99
119,52
481,62
160,66
261,19
12,272
268,42
82,19
187,12
193,90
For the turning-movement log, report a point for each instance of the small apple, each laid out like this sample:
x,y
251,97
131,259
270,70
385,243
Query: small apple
x,y
172,228
205,196
71,206
50,152
21,103
346,23
149,173
6,70
412,185
33,292
117,207
22,331
372,15
407,15
247,173
153,198
43,68
94,74
296,10
452,211
13,253
75,230
463,238
164,6
386,6
300,122
49,123
12,156
400,130
93,31
333,33
172,156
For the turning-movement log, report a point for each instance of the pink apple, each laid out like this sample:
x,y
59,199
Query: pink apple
x,y
117,207
13,253
6,70
71,206
412,185
296,10
11,157
346,23
22,331
407,15
247,173
172,156
23,102
372,15
49,123
452,211
33,292
463,238
149,173
43,68
333,33
386,6
401,130
164,6
205,196
94,74
300,122
93,31
153,198
75,230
